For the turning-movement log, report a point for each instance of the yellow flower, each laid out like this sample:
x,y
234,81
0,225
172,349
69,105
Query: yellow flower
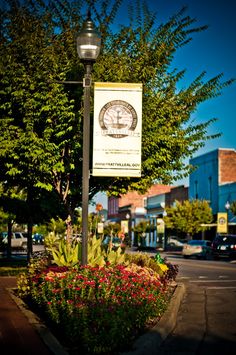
x,y
163,267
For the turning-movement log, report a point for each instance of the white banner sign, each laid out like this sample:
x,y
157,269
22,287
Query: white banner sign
x,y
100,227
124,226
117,129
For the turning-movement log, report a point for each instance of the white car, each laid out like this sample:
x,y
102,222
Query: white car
x,y
198,248
174,242
18,241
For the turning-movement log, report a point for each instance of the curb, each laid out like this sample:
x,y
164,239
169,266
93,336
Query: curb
x,y
149,342
48,338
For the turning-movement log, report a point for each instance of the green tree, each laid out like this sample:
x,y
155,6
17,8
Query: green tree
x,y
37,115
112,229
3,219
41,119
58,227
140,231
189,217
233,207
12,204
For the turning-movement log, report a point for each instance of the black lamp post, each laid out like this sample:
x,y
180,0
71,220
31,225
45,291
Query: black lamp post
x,y
128,226
164,236
88,48
227,207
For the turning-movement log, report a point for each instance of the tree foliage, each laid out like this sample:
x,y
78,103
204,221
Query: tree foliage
x,y
40,127
233,207
41,118
189,216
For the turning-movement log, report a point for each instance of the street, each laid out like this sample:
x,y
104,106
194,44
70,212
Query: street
x,y
206,322
194,269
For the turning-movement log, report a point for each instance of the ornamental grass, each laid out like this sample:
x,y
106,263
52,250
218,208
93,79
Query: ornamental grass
x,y
95,310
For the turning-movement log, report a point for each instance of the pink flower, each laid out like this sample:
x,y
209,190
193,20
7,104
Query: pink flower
x,y
49,279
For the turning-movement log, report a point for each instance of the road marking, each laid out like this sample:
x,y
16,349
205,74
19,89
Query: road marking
x,y
203,277
223,277
184,277
221,287
221,266
216,280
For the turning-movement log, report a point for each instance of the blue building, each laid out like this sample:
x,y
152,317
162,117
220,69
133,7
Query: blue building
x,y
214,179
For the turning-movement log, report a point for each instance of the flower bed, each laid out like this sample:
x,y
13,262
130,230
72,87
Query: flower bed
x,y
98,310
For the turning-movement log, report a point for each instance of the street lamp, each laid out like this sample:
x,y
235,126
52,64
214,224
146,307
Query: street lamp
x,y
128,227
227,207
165,236
88,48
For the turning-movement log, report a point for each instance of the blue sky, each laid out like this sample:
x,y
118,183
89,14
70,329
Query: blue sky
x,y
213,51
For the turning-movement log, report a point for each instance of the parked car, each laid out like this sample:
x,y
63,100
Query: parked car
x,y
197,248
37,238
18,241
115,241
175,242
224,246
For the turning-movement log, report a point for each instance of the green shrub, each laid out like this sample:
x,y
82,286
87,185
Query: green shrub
x,y
98,309
166,270
24,281
101,307
98,256
63,252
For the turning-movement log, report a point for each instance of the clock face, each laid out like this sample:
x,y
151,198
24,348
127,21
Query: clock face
x,y
117,118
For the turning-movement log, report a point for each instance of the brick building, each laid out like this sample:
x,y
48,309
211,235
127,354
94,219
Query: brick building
x,y
134,208
133,202
131,207
177,193
227,166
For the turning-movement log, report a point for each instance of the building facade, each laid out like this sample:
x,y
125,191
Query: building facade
x,y
132,202
214,179
133,207
156,210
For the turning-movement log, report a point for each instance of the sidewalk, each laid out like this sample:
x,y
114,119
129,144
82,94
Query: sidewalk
x,y
206,322
17,335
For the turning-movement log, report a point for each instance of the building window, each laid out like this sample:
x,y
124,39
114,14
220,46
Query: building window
x,y
145,202
196,189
